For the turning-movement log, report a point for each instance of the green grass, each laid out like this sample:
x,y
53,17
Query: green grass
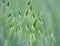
x,y
29,23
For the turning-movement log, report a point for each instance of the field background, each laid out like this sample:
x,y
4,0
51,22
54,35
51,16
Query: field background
x,y
29,22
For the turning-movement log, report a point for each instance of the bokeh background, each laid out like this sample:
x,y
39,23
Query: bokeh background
x,y
29,22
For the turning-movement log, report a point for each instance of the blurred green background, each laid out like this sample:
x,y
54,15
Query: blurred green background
x,y
29,22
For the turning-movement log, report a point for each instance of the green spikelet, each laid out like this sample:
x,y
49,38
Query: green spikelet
x,y
29,23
